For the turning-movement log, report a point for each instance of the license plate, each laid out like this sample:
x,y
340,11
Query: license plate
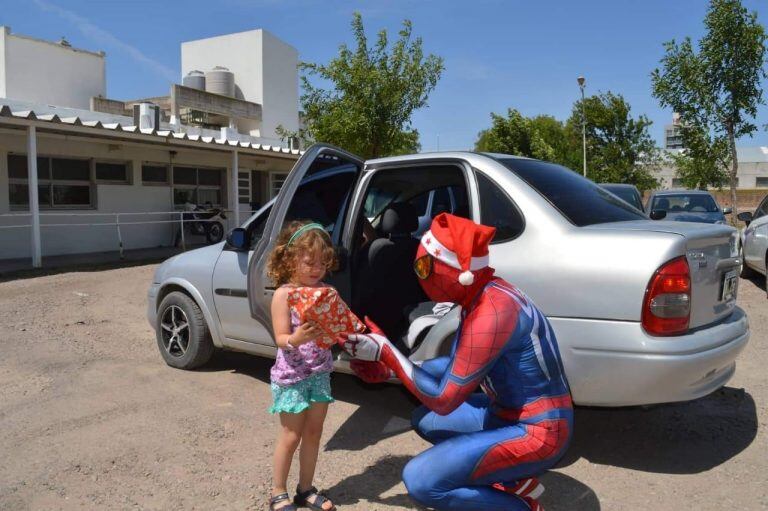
x,y
730,281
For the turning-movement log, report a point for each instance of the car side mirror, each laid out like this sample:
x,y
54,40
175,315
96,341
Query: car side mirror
x,y
658,214
745,217
728,210
238,239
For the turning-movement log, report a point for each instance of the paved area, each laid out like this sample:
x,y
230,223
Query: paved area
x,y
91,418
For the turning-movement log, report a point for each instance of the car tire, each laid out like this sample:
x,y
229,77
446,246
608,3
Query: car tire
x,y
182,334
214,233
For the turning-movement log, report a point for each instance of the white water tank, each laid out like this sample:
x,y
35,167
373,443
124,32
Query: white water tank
x,y
194,79
220,80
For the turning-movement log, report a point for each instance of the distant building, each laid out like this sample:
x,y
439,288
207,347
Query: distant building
x,y
753,170
673,136
104,162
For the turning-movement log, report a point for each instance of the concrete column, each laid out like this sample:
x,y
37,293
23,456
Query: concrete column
x,y
34,204
5,201
234,195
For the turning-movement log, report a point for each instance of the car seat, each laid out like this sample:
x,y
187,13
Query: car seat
x,y
386,282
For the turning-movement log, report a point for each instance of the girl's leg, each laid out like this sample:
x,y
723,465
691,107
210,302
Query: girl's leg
x,y
310,446
288,438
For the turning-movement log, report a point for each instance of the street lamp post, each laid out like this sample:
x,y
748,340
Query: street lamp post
x,y
581,81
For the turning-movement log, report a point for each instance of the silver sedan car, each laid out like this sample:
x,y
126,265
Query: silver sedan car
x,y
644,311
754,244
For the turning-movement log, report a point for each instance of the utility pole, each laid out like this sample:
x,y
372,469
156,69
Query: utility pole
x,y
581,82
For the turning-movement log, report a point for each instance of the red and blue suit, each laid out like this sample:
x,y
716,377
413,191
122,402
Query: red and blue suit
x,y
488,445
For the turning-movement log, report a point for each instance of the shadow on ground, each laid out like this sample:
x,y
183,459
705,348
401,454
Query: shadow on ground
x,y
563,493
680,438
757,280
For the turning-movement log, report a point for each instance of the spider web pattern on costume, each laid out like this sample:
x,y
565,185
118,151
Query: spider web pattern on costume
x,y
486,331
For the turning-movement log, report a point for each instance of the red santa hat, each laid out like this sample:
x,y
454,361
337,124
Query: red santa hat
x,y
459,243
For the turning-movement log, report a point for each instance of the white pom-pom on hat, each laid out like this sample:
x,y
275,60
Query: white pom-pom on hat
x,y
466,278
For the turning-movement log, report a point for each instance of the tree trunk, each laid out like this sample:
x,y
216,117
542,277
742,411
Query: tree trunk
x,y
732,174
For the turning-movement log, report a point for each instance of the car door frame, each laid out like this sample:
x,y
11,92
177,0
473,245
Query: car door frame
x,y
260,289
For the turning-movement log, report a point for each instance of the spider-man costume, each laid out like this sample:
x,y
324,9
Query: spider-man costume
x,y
488,446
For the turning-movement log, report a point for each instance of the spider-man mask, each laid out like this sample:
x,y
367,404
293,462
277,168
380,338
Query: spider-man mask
x,y
441,283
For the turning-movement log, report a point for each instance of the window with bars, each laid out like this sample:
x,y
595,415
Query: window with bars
x,y
244,187
276,180
197,185
63,183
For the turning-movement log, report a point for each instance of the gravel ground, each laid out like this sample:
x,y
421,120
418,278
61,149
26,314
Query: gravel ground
x,y
91,418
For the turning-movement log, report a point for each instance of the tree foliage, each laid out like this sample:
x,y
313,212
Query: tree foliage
x,y
619,147
704,160
373,93
716,88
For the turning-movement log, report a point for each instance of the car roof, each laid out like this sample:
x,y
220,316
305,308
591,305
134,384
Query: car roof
x,y
438,154
682,192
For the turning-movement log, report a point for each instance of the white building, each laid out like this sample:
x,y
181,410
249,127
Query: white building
x,y
265,72
104,162
50,73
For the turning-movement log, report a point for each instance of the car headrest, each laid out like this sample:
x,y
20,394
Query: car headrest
x,y
400,218
663,204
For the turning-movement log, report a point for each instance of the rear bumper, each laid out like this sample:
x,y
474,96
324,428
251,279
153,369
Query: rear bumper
x,y
613,363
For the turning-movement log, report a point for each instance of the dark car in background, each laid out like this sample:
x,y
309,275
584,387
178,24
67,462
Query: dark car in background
x,y
628,193
686,206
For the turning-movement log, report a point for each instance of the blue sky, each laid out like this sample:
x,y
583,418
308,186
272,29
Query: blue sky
x,y
498,54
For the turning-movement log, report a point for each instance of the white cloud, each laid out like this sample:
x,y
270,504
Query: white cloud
x,y
102,37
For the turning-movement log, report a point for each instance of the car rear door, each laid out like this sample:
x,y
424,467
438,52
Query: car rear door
x,y
756,237
323,200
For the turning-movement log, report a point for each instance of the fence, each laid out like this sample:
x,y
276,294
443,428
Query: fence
x,y
184,219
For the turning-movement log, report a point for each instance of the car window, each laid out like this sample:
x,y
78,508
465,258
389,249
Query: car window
x,y
762,209
321,200
441,202
578,199
419,202
256,227
628,195
376,200
498,210
676,203
460,201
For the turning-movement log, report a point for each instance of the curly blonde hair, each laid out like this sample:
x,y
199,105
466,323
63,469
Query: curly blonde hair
x,y
284,258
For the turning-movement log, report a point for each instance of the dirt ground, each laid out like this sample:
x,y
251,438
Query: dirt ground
x,y
91,418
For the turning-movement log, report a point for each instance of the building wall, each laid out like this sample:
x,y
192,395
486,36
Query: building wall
x,y
747,175
265,71
3,33
49,73
110,198
280,87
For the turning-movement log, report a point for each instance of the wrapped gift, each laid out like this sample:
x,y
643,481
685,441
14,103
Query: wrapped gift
x,y
324,307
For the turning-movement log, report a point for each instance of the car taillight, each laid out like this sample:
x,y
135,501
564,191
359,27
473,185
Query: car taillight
x,y
667,303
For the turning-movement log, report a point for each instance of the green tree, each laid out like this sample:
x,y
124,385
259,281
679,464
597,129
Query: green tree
x,y
542,137
514,134
620,148
704,160
716,88
373,93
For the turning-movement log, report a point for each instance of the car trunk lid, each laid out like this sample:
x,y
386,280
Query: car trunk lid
x,y
711,251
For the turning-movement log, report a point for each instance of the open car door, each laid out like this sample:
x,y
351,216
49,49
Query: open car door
x,y
319,189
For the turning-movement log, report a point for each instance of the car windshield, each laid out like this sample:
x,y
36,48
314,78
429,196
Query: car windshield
x,y
578,199
626,194
685,202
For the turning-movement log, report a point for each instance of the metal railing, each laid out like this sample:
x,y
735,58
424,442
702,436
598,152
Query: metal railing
x,y
119,220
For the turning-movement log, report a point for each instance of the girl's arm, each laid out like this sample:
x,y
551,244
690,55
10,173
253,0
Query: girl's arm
x,y
281,317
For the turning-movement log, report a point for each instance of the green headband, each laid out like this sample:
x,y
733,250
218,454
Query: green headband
x,y
304,228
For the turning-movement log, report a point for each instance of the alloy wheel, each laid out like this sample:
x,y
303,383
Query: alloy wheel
x,y
175,331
